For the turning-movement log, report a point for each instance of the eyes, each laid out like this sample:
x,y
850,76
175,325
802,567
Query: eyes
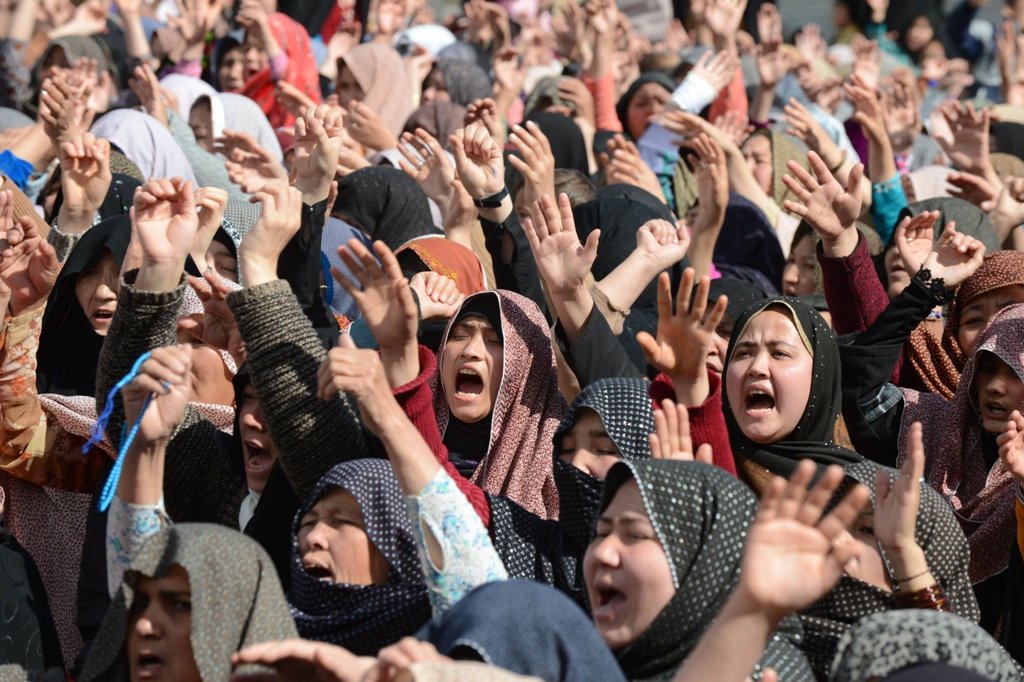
x,y
742,353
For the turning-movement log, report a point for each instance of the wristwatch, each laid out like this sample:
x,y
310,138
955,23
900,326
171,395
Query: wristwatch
x,y
493,201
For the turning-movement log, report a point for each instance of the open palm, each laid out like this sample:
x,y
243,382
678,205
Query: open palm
x,y
381,292
165,219
562,261
821,200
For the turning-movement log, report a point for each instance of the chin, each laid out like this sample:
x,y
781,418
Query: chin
x,y
469,414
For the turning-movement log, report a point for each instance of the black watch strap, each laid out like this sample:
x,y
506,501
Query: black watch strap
x,y
493,201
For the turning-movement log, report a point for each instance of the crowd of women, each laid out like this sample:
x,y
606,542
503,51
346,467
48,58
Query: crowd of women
x,y
359,342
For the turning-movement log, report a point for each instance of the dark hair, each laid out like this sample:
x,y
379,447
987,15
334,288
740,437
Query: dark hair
x,y
576,185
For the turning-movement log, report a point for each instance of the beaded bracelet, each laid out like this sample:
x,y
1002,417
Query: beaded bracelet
x,y
932,597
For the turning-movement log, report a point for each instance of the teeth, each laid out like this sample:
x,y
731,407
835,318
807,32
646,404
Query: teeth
x,y
468,372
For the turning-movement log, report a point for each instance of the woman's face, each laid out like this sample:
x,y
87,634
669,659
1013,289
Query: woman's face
x,y
347,88
979,310
769,378
434,88
628,578
255,58
647,104
798,277
334,545
258,449
472,361
231,71
96,291
899,278
220,260
998,390
587,446
919,34
159,644
200,119
758,153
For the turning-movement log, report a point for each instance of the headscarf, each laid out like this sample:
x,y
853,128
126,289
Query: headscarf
x,y
243,115
939,362
545,94
970,220
1007,138
236,599
929,182
69,348
812,438
527,410
187,90
301,71
953,438
75,47
431,37
884,643
622,106
337,232
701,516
448,258
567,144
748,240
464,81
1007,164
363,618
145,142
30,637
785,148
741,295
386,204
440,119
386,88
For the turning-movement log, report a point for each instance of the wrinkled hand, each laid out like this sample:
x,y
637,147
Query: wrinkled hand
x,y
439,296
562,261
85,175
426,162
1011,446
167,376
28,264
954,256
671,437
829,208
478,161
662,243
625,165
216,325
302,660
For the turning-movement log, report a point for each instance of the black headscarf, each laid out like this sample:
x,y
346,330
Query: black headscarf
x,y
363,619
748,240
1007,138
741,295
813,436
701,516
622,107
69,348
464,81
118,200
30,637
386,204
566,140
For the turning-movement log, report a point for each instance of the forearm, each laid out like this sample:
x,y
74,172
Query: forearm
x,y
23,21
573,309
597,353
854,294
623,285
881,160
142,475
703,239
601,61
135,37
761,108
412,459
742,181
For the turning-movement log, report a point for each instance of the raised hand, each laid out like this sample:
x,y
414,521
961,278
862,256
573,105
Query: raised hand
x,y
249,164
867,61
574,92
279,221
293,99
28,264
318,141
810,43
64,110
302,660
85,179
426,162
969,150
165,375
360,373
478,161
216,325
439,296
486,112
536,162
953,256
146,87
212,202
1006,211
1011,446
803,126
394,660
794,556
367,128
914,239
626,166
829,208
897,502
869,112
972,188
684,339
671,437
712,174
382,294
562,261
723,17
662,243
165,222
734,126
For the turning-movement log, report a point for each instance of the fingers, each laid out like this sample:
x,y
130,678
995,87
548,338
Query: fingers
x,y
795,490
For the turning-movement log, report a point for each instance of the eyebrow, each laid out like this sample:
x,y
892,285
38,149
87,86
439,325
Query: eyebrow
x,y
173,594
598,433
768,342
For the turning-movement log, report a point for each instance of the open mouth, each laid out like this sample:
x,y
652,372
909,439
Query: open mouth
x,y
103,316
259,459
468,384
319,572
758,401
994,410
149,666
610,603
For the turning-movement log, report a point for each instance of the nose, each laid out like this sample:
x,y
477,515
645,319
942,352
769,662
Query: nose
x,y
316,538
254,419
789,274
606,550
105,291
148,625
996,386
759,364
474,347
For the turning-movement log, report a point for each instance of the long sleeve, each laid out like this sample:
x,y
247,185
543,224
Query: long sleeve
x,y
300,265
199,482
732,98
597,354
283,353
443,518
62,242
693,94
707,421
887,200
855,295
957,24
603,91
417,401
518,274
128,527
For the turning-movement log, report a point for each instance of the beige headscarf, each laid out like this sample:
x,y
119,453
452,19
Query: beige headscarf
x,y
386,88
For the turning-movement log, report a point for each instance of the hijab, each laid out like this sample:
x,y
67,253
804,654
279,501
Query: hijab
x,y
464,81
982,497
386,204
301,71
145,142
701,516
445,257
812,438
187,90
939,362
517,462
236,599
75,47
741,295
884,643
970,220
748,241
1007,138
363,618
117,202
545,94
785,148
381,74
69,348
244,115
622,106
440,119
567,144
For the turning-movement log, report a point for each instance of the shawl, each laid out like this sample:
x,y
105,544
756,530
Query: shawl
x,y
545,95
236,599
524,627
701,516
385,82
363,618
528,408
69,348
145,142
187,90
1007,164
445,257
440,119
983,499
946,552
749,241
243,115
1007,138
30,637
386,204
566,140
464,81
884,643
812,438
785,148
300,72
75,47
622,106
939,362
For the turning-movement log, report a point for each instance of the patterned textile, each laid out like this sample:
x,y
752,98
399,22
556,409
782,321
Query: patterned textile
x,y
528,408
381,74
454,261
468,557
956,467
386,204
939,362
887,642
236,599
701,516
128,527
360,618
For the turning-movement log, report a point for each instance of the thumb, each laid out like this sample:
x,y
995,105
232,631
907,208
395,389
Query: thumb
x,y
345,341
649,345
590,248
